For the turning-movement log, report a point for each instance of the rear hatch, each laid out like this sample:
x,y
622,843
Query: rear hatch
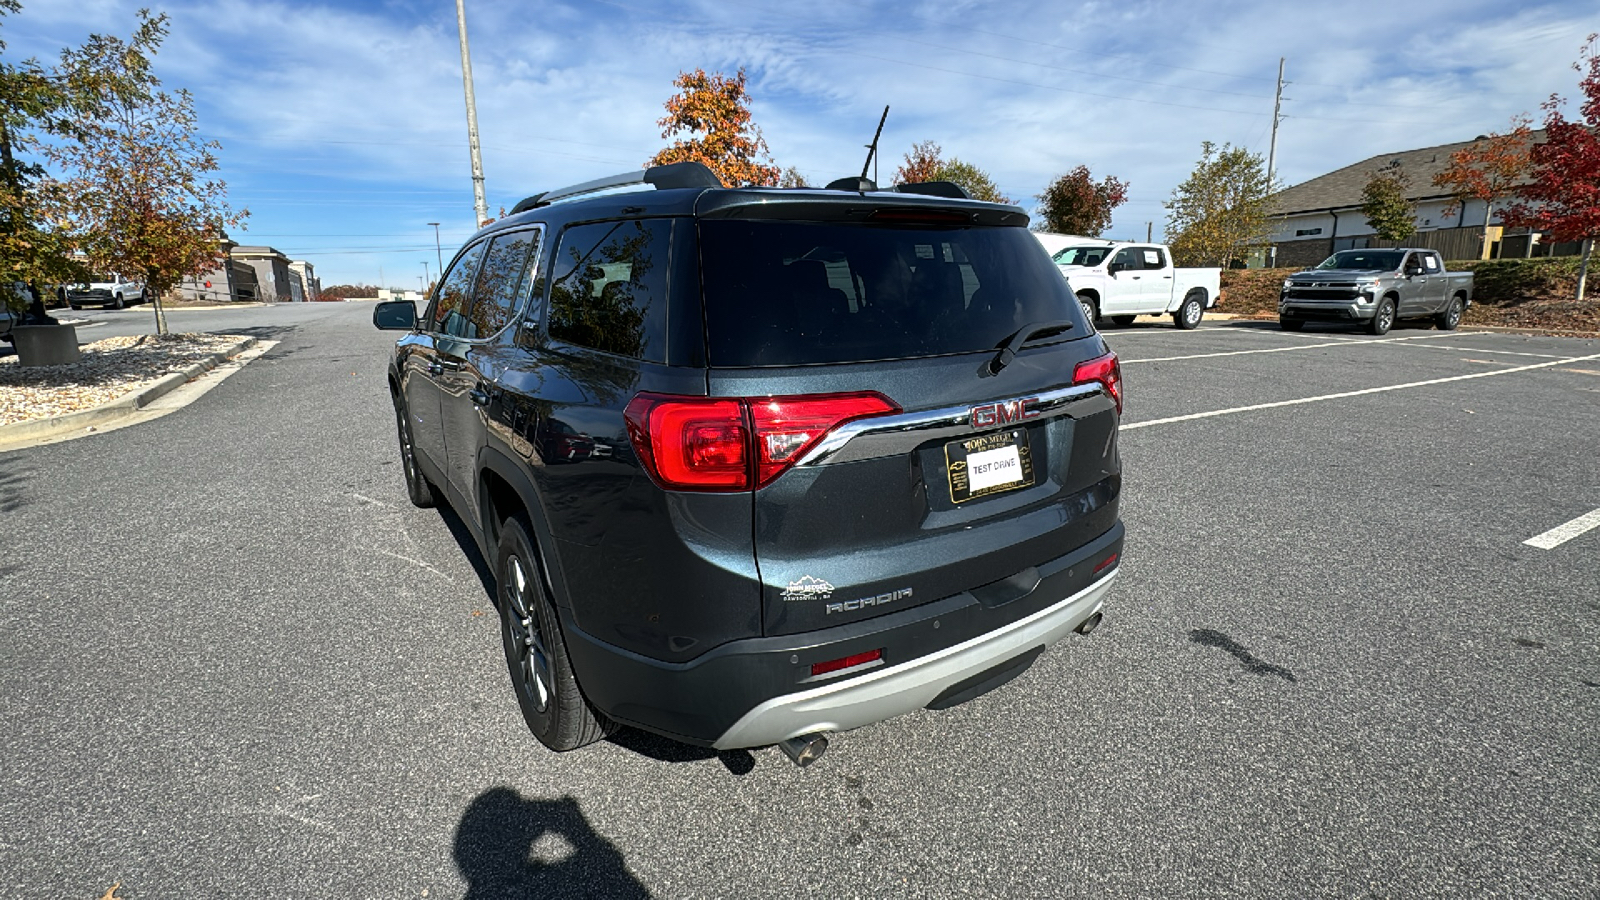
x,y
959,427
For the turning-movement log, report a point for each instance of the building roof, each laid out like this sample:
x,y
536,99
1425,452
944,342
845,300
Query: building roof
x,y
1342,188
257,251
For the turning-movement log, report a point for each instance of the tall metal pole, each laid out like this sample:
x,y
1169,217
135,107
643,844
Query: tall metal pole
x,y
426,275
1272,153
1277,105
478,202
436,251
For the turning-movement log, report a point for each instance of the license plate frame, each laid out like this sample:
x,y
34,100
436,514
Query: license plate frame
x,y
957,454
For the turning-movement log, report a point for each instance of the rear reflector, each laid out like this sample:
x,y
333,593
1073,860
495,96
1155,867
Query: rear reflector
x,y
847,662
1105,370
1099,567
736,443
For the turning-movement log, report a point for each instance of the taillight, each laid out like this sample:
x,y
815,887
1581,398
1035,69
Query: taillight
x,y
1105,370
732,443
847,662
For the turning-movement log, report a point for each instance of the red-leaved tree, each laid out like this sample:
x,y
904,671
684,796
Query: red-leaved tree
x,y
714,111
1563,199
1075,204
1487,170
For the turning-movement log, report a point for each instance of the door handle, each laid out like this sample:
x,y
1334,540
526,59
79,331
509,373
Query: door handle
x,y
435,368
479,395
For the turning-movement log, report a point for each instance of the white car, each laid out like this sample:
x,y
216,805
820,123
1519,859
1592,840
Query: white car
x,y
107,289
1119,280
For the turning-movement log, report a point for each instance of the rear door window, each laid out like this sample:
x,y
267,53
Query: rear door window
x,y
781,293
502,281
608,287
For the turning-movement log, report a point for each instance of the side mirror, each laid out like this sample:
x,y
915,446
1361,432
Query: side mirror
x,y
1113,268
1413,270
395,315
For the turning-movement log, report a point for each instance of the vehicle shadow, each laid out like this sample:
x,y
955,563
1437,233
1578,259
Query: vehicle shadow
x,y
662,749
12,480
509,846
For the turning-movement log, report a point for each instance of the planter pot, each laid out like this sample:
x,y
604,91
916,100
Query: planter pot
x,y
46,345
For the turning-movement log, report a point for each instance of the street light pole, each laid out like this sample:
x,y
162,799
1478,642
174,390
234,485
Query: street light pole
x,y
425,276
436,251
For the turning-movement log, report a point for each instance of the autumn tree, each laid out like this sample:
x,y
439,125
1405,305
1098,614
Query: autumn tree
x,y
1488,170
35,247
1563,198
925,162
1220,211
1075,204
137,175
1386,203
714,110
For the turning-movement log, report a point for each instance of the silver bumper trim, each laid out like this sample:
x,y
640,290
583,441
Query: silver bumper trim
x,y
888,692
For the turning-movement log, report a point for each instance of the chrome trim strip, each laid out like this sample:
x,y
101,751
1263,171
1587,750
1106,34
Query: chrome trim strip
x,y
893,435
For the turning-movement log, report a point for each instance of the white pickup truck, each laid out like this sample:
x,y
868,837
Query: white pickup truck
x,y
107,289
1119,280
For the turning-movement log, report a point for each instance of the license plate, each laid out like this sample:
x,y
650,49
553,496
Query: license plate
x,y
988,464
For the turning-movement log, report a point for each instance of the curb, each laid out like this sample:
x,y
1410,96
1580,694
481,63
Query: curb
x,y
110,411
1512,329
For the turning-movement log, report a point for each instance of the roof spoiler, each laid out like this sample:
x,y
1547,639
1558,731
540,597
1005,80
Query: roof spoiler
x,y
927,188
676,175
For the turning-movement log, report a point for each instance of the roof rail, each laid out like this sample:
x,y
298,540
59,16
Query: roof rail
x,y
935,189
676,175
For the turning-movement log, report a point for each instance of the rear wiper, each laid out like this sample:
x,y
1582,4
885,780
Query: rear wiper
x,y
1028,332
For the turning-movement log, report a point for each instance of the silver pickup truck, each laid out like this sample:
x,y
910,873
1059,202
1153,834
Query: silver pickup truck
x,y
1376,288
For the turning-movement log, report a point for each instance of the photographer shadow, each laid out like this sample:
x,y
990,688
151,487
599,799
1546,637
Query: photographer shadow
x,y
510,847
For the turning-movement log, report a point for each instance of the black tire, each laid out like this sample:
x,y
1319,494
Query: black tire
x,y
1091,309
418,489
536,655
1383,319
1292,324
1450,319
1189,314
1123,321
76,306
117,303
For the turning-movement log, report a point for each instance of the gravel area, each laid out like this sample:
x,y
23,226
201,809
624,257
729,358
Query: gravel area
x,y
110,369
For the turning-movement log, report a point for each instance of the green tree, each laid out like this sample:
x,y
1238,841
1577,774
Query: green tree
x,y
137,183
791,178
925,162
1075,204
715,112
35,247
1387,206
1220,211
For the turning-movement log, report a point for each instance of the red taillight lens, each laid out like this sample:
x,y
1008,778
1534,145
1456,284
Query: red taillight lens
x,y
787,427
697,443
834,665
734,444
1107,371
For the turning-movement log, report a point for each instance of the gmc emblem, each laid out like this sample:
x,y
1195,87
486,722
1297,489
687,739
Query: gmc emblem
x,y
991,414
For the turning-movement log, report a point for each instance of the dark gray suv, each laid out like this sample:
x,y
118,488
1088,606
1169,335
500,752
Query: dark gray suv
x,y
754,465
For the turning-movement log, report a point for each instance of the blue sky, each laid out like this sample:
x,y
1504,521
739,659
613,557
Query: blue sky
x,y
344,128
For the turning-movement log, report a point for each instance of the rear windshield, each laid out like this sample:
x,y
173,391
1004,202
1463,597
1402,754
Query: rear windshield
x,y
792,293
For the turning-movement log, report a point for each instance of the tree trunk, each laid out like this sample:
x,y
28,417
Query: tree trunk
x,y
1583,267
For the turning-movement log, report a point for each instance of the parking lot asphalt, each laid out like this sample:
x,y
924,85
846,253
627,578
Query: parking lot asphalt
x,y
237,662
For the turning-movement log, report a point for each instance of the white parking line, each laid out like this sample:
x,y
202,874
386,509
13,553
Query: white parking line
x,y
1343,394
1321,346
1559,535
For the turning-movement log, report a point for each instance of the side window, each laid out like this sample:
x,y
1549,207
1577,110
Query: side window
x,y
1153,257
608,287
1127,258
453,299
1430,261
501,281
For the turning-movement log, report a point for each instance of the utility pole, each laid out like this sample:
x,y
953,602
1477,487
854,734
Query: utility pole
x,y
426,277
436,251
1148,230
478,203
1272,151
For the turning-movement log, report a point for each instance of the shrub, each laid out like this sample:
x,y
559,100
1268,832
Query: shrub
x,y
1508,282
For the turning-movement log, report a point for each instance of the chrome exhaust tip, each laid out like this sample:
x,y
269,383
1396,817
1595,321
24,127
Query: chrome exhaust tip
x,y
1089,625
805,749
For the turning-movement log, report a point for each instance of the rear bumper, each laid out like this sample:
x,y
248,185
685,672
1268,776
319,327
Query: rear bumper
x,y
757,691
888,692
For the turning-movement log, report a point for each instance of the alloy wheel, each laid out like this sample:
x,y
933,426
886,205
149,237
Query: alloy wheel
x,y
532,655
